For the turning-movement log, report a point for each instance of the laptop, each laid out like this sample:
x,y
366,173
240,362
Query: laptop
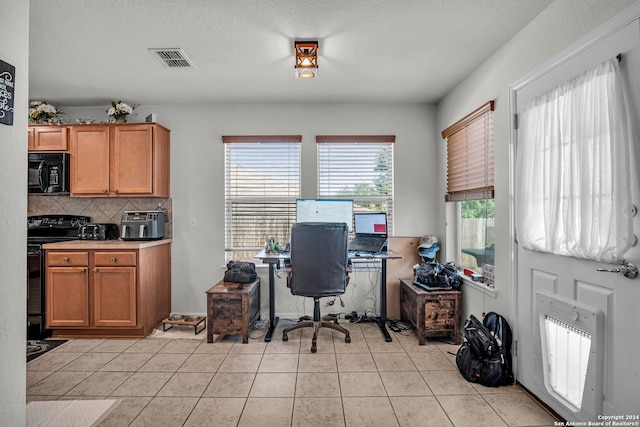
x,y
370,232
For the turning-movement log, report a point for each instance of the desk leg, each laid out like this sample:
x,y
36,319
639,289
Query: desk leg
x,y
273,320
382,322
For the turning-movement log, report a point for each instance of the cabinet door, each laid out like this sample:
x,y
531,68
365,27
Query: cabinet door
x,y
114,296
132,160
30,144
50,138
67,296
89,160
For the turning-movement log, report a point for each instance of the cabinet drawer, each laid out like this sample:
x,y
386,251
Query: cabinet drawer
x,y
63,259
103,259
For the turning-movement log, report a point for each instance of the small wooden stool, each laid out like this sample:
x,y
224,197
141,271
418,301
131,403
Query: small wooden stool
x,y
232,308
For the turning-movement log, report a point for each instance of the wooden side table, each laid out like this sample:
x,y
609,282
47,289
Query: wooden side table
x,y
232,308
432,314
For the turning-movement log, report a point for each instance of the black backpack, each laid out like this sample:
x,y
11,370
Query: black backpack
x,y
485,355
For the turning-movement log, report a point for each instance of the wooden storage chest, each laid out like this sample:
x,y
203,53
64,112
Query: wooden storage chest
x,y
432,314
232,308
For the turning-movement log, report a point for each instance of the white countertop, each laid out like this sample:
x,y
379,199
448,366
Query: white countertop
x,y
105,244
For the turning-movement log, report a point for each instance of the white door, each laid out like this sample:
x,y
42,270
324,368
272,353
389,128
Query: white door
x,y
571,288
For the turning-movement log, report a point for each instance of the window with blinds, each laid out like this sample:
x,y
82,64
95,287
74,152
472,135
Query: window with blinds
x,y
470,156
262,184
360,168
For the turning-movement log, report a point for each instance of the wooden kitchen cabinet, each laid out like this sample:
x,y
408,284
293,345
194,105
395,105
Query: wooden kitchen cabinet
x,y
47,138
107,288
119,160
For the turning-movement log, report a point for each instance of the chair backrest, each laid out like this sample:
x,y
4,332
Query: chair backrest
x,y
319,258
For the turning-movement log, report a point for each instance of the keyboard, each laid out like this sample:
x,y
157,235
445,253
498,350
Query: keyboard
x,y
367,244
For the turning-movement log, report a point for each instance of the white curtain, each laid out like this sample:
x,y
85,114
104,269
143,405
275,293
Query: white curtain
x,y
573,168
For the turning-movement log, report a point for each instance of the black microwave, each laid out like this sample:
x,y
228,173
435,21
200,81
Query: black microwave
x,y
49,173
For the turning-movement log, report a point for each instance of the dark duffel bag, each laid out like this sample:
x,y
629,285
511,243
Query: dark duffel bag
x,y
240,272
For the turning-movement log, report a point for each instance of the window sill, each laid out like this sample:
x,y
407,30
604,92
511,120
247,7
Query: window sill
x,y
479,287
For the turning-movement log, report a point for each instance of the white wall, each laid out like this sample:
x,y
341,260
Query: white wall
x,y
197,180
14,33
557,27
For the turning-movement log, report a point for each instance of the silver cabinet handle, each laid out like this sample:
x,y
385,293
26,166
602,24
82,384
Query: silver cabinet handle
x,y
627,270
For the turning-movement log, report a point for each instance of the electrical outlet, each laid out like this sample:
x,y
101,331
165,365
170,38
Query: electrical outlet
x,y
194,222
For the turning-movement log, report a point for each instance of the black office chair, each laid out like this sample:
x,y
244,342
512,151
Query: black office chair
x,y
318,269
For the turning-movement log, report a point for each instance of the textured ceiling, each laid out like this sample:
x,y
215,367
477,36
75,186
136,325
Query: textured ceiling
x,y
89,52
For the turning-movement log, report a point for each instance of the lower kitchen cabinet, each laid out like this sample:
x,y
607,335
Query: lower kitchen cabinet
x,y
109,288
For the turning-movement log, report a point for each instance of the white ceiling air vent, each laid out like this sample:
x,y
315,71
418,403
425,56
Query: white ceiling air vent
x,y
172,58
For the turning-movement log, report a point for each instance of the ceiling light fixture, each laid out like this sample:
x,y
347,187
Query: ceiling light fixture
x,y
306,53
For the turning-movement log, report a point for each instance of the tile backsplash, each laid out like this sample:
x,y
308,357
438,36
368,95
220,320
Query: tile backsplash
x,y
101,210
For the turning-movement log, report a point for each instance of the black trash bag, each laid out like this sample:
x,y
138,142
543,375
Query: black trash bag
x,y
240,272
437,275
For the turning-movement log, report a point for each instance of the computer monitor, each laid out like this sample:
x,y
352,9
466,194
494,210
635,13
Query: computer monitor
x,y
373,224
325,210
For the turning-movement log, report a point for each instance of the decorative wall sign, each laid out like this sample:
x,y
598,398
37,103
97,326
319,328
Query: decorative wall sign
x,y
7,82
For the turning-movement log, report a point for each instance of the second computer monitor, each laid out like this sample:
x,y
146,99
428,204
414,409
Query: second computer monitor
x,y
370,223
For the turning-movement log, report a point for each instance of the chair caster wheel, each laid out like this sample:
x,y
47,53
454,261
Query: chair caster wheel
x,y
285,337
347,339
314,348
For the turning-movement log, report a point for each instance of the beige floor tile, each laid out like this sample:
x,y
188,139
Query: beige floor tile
x,y
431,361
226,384
503,389
278,346
368,411
78,346
394,362
164,362
357,345
518,409
419,412
124,412
272,412
89,362
280,384
216,411
318,412
127,362
405,384
165,411
114,345
99,384
57,383
183,345
317,362
252,347
409,341
240,363
186,384
470,410
52,361
323,334
149,345
221,347
202,362
371,330
279,362
142,384
355,362
447,382
316,384
361,384
34,377
379,345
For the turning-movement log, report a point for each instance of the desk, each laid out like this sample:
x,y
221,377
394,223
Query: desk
x,y
274,258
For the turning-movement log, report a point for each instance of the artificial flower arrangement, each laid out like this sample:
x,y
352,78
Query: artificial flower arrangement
x,y
41,112
119,111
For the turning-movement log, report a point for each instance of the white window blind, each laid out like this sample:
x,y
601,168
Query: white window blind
x,y
470,156
357,167
262,183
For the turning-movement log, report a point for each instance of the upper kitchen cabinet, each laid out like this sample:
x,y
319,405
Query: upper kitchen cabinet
x,y
119,160
47,138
